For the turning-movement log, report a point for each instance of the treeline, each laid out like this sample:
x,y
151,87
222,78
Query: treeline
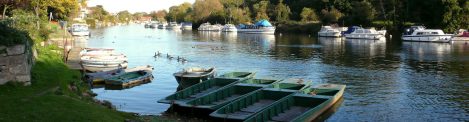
x,y
448,15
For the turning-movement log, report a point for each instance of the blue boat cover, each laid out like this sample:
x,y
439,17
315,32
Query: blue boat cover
x,y
264,23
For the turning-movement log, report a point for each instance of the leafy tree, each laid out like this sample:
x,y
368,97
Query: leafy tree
x,y
282,12
203,9
331,16
362,14
124,16
98,13
260,10
308,15
451,18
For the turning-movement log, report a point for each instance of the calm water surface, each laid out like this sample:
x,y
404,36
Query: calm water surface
x,y
386,81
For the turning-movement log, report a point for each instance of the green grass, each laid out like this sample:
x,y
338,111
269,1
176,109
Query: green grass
x,y
49,97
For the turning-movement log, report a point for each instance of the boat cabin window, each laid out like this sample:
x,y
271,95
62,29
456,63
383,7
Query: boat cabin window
x,y
435,33
359,31
419,33
367,31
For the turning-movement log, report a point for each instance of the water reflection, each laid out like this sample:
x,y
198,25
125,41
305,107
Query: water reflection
x,y
386,80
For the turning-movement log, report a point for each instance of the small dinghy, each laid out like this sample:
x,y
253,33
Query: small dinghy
x,y
301,107
250,104
99,77
194,75
130,78
202,89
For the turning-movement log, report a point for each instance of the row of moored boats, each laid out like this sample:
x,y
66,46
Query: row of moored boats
x,y
170,25
239,96
110,67
414,33
260,27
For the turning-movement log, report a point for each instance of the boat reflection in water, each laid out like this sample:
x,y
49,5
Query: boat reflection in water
x,y
424,51
366,48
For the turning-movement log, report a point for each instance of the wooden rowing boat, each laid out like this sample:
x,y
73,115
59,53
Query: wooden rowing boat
x,y
204,88
223,96
130,78
302,107
249,104
99,77
194,75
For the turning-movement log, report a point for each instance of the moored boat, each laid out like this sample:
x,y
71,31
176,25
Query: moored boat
x,y
173,25
204,27
130,78
428,35
461,35
229,28
329,31
80,30
219,98
99,77
186,26
302,107
254,102
261,27
193,75
371,34
237,75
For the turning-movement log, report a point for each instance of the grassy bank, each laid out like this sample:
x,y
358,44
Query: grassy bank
x,y
56,94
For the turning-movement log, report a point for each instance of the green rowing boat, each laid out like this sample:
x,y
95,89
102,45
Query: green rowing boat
x,y
302,107
204,88
249,104
130,78
217,99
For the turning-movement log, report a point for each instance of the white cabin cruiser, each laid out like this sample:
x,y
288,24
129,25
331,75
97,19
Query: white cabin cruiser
x,y
229,28
173,25
80,30
261,27
370,34
328,31
428,35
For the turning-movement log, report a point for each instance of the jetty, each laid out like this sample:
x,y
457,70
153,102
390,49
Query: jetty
x,y
73,58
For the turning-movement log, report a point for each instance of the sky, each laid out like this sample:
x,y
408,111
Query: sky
x,y
133,6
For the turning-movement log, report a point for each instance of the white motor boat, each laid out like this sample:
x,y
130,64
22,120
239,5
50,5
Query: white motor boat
x,y
80,30
104,60
96,51
204,27
428,35
186,26
161,26
261,27
229,28
370,34
173,25
328,31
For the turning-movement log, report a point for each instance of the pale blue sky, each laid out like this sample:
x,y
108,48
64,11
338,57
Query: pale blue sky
x,y
132,6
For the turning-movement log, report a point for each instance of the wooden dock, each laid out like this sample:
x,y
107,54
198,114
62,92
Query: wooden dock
x,y
73,58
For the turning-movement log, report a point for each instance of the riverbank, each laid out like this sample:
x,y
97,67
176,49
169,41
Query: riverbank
x,y
56,94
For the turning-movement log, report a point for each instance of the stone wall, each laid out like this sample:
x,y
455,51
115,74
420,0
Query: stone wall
x,y
15,64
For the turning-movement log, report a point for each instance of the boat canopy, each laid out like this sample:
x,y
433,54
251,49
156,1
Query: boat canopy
x,y
263,23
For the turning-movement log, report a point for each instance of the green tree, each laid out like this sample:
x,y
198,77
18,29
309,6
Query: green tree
x,y
308,15
203,9
124,16
260,10
98,13
331,16
282,12
362,14
451,18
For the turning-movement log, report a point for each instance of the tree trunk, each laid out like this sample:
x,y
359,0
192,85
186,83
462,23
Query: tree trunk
x,y
4,11
36,10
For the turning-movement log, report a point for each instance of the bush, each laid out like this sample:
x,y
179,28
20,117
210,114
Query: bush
x,y
10,36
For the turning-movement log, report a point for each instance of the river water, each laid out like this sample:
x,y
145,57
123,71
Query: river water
x,y
386,80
